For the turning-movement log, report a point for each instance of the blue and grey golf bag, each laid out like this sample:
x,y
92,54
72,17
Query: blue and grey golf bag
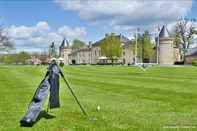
x,y
50,84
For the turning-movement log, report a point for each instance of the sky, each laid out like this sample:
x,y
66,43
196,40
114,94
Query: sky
x,y
32,25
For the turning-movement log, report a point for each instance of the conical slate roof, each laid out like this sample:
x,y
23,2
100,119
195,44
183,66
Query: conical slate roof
x,y
63,44
164,32
52,45
67,43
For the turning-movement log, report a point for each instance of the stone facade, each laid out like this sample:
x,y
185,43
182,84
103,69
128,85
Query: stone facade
x,y
64,51
91,54
166,51
80,56
177,54
166,48
127,55
65,56
95,53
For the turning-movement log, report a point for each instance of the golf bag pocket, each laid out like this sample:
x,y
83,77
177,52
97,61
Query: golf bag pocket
x,y
36,103
41,91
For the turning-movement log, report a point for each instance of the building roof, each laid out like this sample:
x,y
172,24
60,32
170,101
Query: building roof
x,y
122,38
85,48
62,46
67,43
52,45
164,32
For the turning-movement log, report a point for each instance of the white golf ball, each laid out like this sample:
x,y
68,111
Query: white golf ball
x,y
98,108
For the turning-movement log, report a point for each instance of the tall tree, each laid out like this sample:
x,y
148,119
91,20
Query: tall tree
x,y
184,32
147,46
144,47
139,46
111,47
5,42
77,44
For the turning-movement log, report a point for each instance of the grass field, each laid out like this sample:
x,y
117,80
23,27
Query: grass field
x,y
130,99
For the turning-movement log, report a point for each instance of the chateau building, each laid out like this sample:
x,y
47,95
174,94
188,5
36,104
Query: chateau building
x,y
91,53
80,56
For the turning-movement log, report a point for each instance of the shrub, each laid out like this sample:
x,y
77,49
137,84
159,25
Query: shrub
x,y
194,62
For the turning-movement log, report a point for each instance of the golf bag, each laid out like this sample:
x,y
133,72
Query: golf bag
x,y
49,84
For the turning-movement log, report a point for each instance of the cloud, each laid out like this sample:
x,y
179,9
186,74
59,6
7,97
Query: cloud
x,y
39,36
72,32
43,26
128,12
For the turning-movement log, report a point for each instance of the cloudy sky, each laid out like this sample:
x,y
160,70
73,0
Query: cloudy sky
x,y
33,25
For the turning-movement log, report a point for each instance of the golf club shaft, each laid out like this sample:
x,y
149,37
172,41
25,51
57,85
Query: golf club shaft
x,y
76,99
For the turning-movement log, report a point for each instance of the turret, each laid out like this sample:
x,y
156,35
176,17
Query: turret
x,y
166,49
64,51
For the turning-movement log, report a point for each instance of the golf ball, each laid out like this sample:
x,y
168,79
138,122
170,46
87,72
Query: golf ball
x,y
98,108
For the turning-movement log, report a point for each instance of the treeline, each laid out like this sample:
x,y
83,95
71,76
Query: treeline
x,y
22,58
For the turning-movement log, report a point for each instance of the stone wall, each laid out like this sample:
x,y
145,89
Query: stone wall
x,y
166,51
95,54
127,56
64,54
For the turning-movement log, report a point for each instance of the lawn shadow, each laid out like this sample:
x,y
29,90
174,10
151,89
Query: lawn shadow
x,y
43,114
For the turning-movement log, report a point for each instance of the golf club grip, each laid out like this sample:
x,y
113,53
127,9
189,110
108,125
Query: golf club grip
x,y
75,97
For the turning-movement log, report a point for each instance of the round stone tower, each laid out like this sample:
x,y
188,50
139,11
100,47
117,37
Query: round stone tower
x,y
166,49
64,51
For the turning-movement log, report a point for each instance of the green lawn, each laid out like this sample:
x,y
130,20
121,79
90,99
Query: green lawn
x,y
130,98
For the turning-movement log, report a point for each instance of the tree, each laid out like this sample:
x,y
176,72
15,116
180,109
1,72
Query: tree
x,y
5,42
111,47
139,46
1,58
8,59
145,49
183,33
77,44
147,46
22,57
